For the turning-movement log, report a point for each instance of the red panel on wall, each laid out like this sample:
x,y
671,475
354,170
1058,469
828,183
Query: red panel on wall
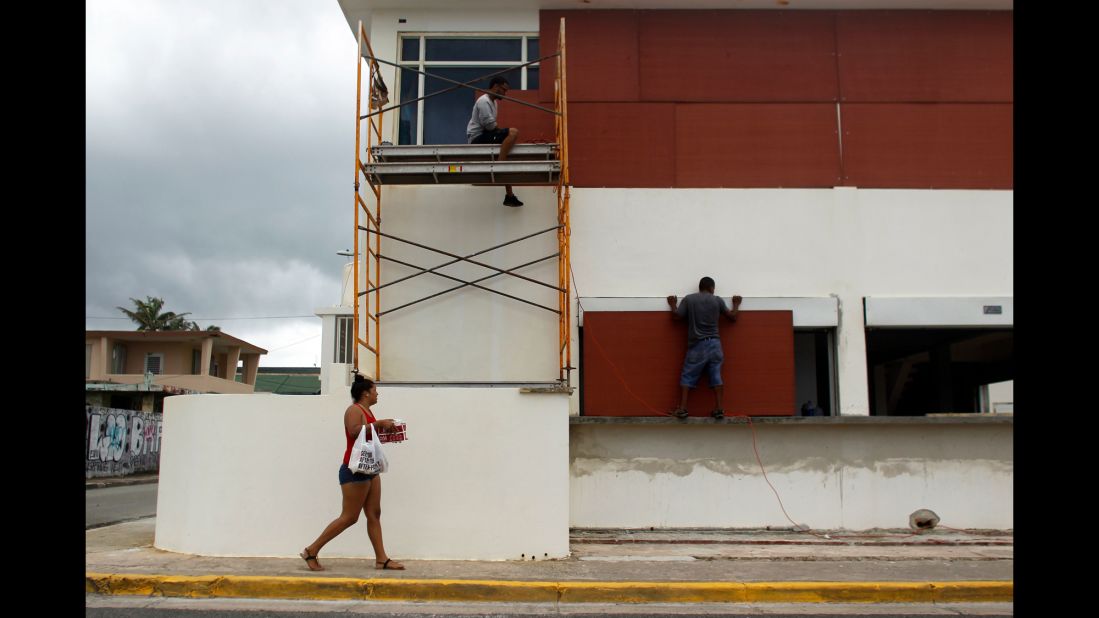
x,y
601,51
756,145
622,144
534,125
737,56
928,146
934,56
641,352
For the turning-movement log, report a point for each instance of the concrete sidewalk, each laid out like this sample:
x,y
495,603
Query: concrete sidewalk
x,y
697,566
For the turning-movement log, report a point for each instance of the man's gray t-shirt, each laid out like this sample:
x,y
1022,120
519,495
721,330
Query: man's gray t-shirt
x,y
483,117
702,311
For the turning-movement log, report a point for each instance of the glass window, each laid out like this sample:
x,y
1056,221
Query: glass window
x,y
474,50
442,119
410,87
446,115
118,359
410,48
344,339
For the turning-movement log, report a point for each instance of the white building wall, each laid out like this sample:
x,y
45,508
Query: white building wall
x,y
846,242
481,477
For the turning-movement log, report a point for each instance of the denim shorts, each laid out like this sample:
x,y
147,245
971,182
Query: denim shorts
x,y
703,354
347,476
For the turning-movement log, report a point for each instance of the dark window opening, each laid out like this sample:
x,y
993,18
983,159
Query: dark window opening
x,y
915,372
814,372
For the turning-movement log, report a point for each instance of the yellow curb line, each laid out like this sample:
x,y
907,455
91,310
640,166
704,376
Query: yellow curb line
x,y
345,588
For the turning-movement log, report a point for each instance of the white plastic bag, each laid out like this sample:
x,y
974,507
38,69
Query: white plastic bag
x,y
366,454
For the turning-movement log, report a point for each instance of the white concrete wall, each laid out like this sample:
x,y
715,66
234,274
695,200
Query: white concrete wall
x,y
848,242
468,334
482,476
828,477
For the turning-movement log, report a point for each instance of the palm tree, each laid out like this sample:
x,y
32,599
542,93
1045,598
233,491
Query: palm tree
x,y
148,315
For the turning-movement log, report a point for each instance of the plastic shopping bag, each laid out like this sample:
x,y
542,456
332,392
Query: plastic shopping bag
x,y
366,454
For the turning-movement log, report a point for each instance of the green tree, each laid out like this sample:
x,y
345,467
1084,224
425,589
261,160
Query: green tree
x,y
148,316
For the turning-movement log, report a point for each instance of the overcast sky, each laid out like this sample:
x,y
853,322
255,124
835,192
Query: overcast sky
x,y
219,149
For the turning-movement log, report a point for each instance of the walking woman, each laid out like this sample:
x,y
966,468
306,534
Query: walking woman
x,y
361,492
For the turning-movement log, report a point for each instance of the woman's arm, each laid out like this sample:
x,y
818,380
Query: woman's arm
x,y
353,420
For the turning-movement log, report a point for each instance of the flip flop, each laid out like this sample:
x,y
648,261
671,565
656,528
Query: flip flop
x,y
385,565
304,555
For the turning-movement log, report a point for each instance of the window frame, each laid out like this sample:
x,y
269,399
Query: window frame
x,y
160,366
344,343
422,64
118,358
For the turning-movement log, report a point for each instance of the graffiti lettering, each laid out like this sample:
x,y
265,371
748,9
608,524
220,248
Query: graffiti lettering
x,y
110,453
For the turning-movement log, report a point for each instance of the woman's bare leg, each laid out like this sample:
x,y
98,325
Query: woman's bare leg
x,y
354,497
373,511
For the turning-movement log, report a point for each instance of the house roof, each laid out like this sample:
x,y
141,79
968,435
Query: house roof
x,y
221,338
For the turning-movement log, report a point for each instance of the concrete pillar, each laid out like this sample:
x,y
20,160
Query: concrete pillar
x,y
207,353
101,366
251,368
232,357
854,393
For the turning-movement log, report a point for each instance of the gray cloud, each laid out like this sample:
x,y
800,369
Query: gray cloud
x,y
218,159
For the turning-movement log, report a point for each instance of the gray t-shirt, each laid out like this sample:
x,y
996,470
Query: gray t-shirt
x,y
702,311
483,117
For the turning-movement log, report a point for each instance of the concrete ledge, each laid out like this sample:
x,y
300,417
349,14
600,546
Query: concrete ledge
x,y
340,588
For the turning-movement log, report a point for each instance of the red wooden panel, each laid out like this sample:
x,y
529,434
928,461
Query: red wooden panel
x,y
928,146
737,56
601,51
756,145
534,125
622,144
632,360
913,56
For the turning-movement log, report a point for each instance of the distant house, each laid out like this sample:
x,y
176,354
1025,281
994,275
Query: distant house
x,y
135,370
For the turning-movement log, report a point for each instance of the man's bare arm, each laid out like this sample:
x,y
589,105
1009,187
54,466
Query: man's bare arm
x,y
672,303
732,313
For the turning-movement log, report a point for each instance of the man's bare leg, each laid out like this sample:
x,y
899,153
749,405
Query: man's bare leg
x,y
505,149
508,143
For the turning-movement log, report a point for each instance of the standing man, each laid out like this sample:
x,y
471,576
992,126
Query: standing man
x,y
703,345
482,128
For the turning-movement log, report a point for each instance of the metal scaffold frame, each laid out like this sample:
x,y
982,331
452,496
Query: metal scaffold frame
x,y
371,216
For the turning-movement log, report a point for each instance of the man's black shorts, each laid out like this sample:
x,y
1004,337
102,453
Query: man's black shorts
x,y
496,136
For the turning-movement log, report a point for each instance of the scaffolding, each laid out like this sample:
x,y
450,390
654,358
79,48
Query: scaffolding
x,y
386,164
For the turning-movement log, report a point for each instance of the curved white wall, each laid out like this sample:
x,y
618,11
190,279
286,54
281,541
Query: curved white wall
x,y
482,477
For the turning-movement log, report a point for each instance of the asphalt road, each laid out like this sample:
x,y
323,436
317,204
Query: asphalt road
x,y
108,505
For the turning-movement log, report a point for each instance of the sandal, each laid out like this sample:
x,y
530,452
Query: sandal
x,y
304,555
680,413
397,566
718,414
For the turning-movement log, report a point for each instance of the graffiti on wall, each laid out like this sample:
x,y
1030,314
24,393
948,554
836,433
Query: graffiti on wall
x,y
121,442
